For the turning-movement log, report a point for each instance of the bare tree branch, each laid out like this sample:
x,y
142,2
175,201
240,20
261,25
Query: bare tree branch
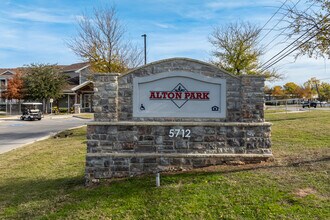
x,y
101,41
317,18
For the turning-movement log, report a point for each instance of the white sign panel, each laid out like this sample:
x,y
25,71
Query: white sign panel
x,y
179,94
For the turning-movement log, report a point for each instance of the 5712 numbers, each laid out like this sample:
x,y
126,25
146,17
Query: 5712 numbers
x,y
185,133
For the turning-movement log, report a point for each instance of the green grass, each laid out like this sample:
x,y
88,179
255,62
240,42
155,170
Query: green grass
x,y
275,111
45,181
85,115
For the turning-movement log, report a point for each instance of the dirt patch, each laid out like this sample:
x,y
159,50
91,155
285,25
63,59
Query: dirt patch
x,y
305,192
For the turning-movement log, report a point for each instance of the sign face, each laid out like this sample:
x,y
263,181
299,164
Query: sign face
x,y
51,100
179,94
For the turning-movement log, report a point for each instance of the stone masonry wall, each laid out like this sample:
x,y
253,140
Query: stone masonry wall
x,y
113,99
239,91
119,145
105,98
129,149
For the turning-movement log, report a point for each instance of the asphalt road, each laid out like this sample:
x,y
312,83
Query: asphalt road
x,y
15,133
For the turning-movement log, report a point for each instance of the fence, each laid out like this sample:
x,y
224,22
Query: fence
x,y
289,105
10,108
15,108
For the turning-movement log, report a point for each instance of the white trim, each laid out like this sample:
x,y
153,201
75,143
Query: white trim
x,y
82,68
81,85
13,73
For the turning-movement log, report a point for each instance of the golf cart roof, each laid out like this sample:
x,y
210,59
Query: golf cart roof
x,y
31,103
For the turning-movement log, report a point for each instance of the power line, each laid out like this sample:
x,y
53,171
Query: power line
x,y
286,27
288,53
278,22
287,47
273,15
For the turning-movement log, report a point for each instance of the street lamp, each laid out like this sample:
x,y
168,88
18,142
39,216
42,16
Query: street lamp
x,y
145,48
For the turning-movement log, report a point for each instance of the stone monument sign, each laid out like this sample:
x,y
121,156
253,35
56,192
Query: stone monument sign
x,y
175,114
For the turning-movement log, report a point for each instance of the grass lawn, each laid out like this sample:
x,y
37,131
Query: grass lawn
x,y
268,111
45,181
85,115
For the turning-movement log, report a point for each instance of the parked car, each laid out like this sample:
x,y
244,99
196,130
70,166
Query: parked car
x,y
309,104
323,104
31,111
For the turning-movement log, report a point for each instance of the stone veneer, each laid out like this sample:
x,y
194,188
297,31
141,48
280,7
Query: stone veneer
x,y
120,145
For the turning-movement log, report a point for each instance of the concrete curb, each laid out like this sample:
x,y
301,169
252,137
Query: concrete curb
x,y
77,116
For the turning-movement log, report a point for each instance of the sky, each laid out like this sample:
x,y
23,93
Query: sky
x,y
36,31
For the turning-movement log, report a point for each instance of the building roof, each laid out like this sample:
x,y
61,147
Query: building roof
x,y
11,70
75,67
82,85
64,68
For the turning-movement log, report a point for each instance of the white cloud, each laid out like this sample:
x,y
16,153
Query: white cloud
x,y
220,4
163,25
228,5
40,16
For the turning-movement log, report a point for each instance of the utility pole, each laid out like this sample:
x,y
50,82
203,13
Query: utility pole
x,y
145,48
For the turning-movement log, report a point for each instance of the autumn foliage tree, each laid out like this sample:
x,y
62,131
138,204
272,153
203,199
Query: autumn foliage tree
x,y
292,89
278,92
312,89
14,88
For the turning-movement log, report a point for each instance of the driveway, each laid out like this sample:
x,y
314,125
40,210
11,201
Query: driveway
x,y
15,133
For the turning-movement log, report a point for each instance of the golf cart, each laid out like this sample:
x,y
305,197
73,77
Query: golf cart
x,y
31,111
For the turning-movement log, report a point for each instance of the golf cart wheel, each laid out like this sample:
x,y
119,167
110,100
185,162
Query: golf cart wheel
x,y
39,119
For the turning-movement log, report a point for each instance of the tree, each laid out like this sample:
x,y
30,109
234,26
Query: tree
x,y
278,92
14,88
311,88
101,40
313,25
324,91
237,49
291,89
42,82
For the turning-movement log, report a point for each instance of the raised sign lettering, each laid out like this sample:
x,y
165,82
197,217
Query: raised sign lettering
x,y
179,94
